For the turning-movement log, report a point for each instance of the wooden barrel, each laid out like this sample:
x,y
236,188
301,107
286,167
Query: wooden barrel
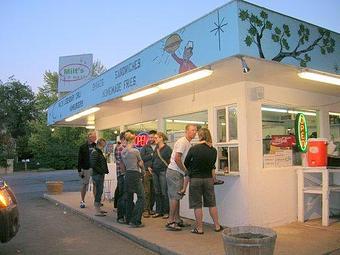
x,y
54,187
249,240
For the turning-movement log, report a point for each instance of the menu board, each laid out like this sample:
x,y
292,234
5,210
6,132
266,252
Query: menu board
x,y
282,158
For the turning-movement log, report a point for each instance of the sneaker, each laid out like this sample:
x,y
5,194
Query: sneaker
x,y
82,204
182,224
165,216
121,221
132,225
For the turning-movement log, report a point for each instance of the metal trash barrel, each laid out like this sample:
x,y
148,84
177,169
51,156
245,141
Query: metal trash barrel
x,y
249,240
54,187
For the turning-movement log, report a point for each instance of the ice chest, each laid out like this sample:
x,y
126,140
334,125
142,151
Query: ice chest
x,y
317,152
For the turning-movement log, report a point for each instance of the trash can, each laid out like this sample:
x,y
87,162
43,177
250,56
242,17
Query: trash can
x,y
249,240
54,187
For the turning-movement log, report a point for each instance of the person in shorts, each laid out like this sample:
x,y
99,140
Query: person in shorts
x,y
175,176
200,162
84,169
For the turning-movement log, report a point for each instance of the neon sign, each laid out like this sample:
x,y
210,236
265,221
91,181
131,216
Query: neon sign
x,y
301,132
141,139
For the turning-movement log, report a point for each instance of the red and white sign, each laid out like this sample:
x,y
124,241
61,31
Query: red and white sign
x,y
141,139
283,141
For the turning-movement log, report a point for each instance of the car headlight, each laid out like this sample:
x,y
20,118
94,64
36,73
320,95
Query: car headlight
x,y
5,198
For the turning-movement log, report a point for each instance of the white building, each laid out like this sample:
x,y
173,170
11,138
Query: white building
x,y
246,110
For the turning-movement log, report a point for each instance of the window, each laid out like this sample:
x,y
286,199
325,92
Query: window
x,y
175,126
334,144
278,135
227,139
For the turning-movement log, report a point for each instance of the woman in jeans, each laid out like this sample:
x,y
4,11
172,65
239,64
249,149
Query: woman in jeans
x,y
133,182
200,162
99,166
160,162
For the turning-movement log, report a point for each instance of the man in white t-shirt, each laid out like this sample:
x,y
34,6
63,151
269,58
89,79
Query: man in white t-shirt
x,y
175,176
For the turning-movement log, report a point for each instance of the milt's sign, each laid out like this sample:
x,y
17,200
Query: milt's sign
x,y
74,71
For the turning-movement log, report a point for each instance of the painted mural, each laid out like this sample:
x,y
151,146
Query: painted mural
x,y
276,37
237,28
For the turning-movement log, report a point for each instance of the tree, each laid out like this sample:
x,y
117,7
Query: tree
x,y
98,68
17,110
48,94
55,148
259,24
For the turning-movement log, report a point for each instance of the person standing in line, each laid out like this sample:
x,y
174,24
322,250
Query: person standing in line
x,y
99,169
133,182
175,177
200,162
84,169
147,153
121,200
160,162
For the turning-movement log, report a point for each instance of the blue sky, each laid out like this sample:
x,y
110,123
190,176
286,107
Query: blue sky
x,y
33,34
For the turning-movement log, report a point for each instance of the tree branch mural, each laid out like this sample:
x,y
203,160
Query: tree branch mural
x,y
259,24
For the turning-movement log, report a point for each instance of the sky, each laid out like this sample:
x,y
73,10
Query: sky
x,y
35,33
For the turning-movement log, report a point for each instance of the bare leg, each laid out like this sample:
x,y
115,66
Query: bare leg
x,y
83,192
94,190
214,215
173,210
177,217
199,219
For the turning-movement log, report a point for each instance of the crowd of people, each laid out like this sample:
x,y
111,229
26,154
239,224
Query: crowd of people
x,y
157,175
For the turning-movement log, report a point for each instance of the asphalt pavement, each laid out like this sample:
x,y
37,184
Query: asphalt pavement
x,y
48,229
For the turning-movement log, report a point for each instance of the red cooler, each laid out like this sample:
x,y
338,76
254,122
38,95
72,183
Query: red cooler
x,y
317,152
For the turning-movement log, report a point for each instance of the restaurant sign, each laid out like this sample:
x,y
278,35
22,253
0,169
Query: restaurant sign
x,y
301,132
74,71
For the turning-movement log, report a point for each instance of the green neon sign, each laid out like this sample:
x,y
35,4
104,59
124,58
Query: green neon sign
x,y
301,132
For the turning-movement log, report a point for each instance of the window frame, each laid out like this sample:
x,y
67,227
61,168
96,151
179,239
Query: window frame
x,y
228,143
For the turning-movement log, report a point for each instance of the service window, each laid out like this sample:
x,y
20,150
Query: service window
x,y
175,126
334,143
226,140
278,135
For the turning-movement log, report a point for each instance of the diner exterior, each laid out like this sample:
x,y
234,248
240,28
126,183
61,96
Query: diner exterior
x,y
238,72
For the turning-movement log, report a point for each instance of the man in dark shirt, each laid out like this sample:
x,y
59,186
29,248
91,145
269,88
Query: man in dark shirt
x,y
147,155
84,168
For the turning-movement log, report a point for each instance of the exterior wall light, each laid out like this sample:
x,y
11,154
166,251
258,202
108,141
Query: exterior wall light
x,y
245,67
321,77
186,79
82,114
192,76
140,94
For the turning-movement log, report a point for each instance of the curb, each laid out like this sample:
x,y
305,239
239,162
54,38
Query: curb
x,y
144,243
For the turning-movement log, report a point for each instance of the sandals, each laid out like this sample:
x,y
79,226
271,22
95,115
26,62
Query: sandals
x,y
218,182
182,224
172,226
220,229
156,215
196,231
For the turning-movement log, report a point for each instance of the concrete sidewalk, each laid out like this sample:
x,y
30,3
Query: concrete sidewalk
x,y
309,238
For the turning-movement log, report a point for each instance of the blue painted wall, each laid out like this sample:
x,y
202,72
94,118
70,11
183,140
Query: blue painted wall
x,y
226,31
